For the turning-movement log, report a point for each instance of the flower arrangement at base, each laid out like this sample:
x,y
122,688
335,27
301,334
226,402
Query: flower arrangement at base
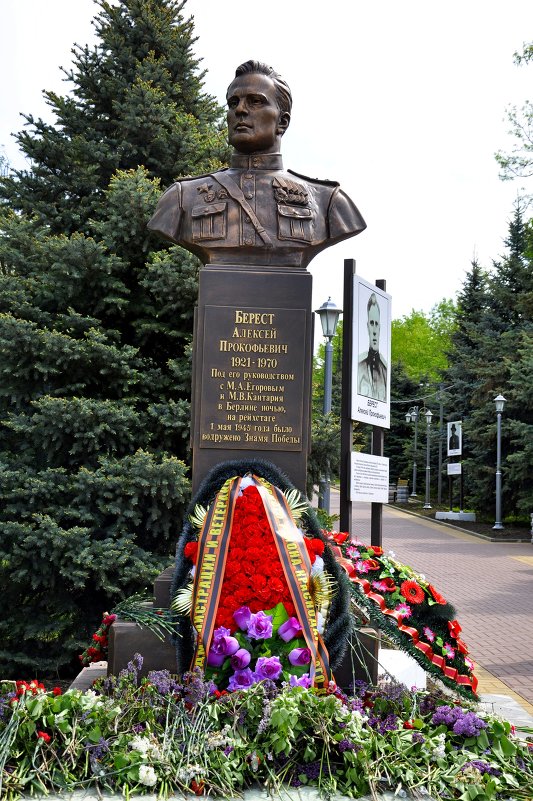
x,y
253,543
409,609
165,736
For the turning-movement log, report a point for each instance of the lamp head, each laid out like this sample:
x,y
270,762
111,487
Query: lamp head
x,y
329,317
500,403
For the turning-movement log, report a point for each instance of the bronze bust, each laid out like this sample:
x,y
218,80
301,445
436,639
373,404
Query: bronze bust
x,y
256,213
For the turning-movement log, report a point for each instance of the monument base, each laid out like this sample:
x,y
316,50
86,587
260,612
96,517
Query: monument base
x,y
252,369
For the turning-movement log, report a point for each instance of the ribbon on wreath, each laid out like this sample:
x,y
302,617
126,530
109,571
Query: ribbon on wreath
x,y
452,673
297,568
213,543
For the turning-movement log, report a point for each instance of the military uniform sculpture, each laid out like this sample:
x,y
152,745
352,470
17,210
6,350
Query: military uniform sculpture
x,y
256,213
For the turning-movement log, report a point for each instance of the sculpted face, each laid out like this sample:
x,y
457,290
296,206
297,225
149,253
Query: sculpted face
x,y
373,327
255,122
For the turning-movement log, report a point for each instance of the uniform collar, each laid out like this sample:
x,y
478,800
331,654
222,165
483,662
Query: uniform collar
x,y
257,161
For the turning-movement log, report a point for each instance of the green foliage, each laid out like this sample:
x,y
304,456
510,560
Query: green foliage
x,y
95,333
519,162
384,739
420,342
491,354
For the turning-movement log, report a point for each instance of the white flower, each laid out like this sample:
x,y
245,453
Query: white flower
x,y
89,699
320,622
140,744
318,566
147,775
391,554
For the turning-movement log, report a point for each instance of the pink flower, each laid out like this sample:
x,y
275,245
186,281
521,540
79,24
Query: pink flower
x,y
404,610
385,585
448,650
290,629
352,552
361,566
429,634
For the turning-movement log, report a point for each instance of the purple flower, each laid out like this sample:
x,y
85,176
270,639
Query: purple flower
x,y
290,629
242,617
300,656
214,659
223,643
466,724
240,659
242,679
303,681
260,626
268,667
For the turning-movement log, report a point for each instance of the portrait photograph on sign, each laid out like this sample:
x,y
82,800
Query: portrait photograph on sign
x,y
371,370
455,438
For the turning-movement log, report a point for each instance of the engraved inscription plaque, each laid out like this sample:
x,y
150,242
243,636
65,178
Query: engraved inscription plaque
x,y
252,394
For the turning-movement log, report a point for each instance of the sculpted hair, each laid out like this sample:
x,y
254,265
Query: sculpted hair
x,y
283,93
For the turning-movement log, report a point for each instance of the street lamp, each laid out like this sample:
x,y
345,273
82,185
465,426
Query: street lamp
x,y
329,315
500,403
429,415
413,415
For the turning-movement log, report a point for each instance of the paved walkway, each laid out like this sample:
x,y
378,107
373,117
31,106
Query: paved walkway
x,y
490,584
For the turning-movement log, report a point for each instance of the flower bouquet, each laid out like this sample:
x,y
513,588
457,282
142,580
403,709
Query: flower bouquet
x,y
408,609
251,563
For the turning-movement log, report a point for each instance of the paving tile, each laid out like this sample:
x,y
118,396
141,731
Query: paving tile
x,y
478,578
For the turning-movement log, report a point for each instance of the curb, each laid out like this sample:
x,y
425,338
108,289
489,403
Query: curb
x,y
456,528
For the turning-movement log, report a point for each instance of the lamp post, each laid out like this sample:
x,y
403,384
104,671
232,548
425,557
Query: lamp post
x,y
413,415
500,403
429,415
329,317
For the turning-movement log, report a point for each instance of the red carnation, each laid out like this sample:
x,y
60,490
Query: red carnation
x,y
191,551
42,735
57,691
315,547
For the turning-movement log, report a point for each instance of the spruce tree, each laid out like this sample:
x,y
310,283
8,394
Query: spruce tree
x,y
491,350
95,333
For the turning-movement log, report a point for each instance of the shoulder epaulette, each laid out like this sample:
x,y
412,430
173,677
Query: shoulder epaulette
x,y
199,177
314,180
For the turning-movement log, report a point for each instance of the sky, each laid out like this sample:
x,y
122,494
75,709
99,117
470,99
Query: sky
x,y
403,103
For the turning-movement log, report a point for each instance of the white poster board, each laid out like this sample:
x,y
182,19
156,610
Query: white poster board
x,y
454,469
455,438
369,478
371,349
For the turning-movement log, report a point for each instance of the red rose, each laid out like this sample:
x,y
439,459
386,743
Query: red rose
x,y
42,735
